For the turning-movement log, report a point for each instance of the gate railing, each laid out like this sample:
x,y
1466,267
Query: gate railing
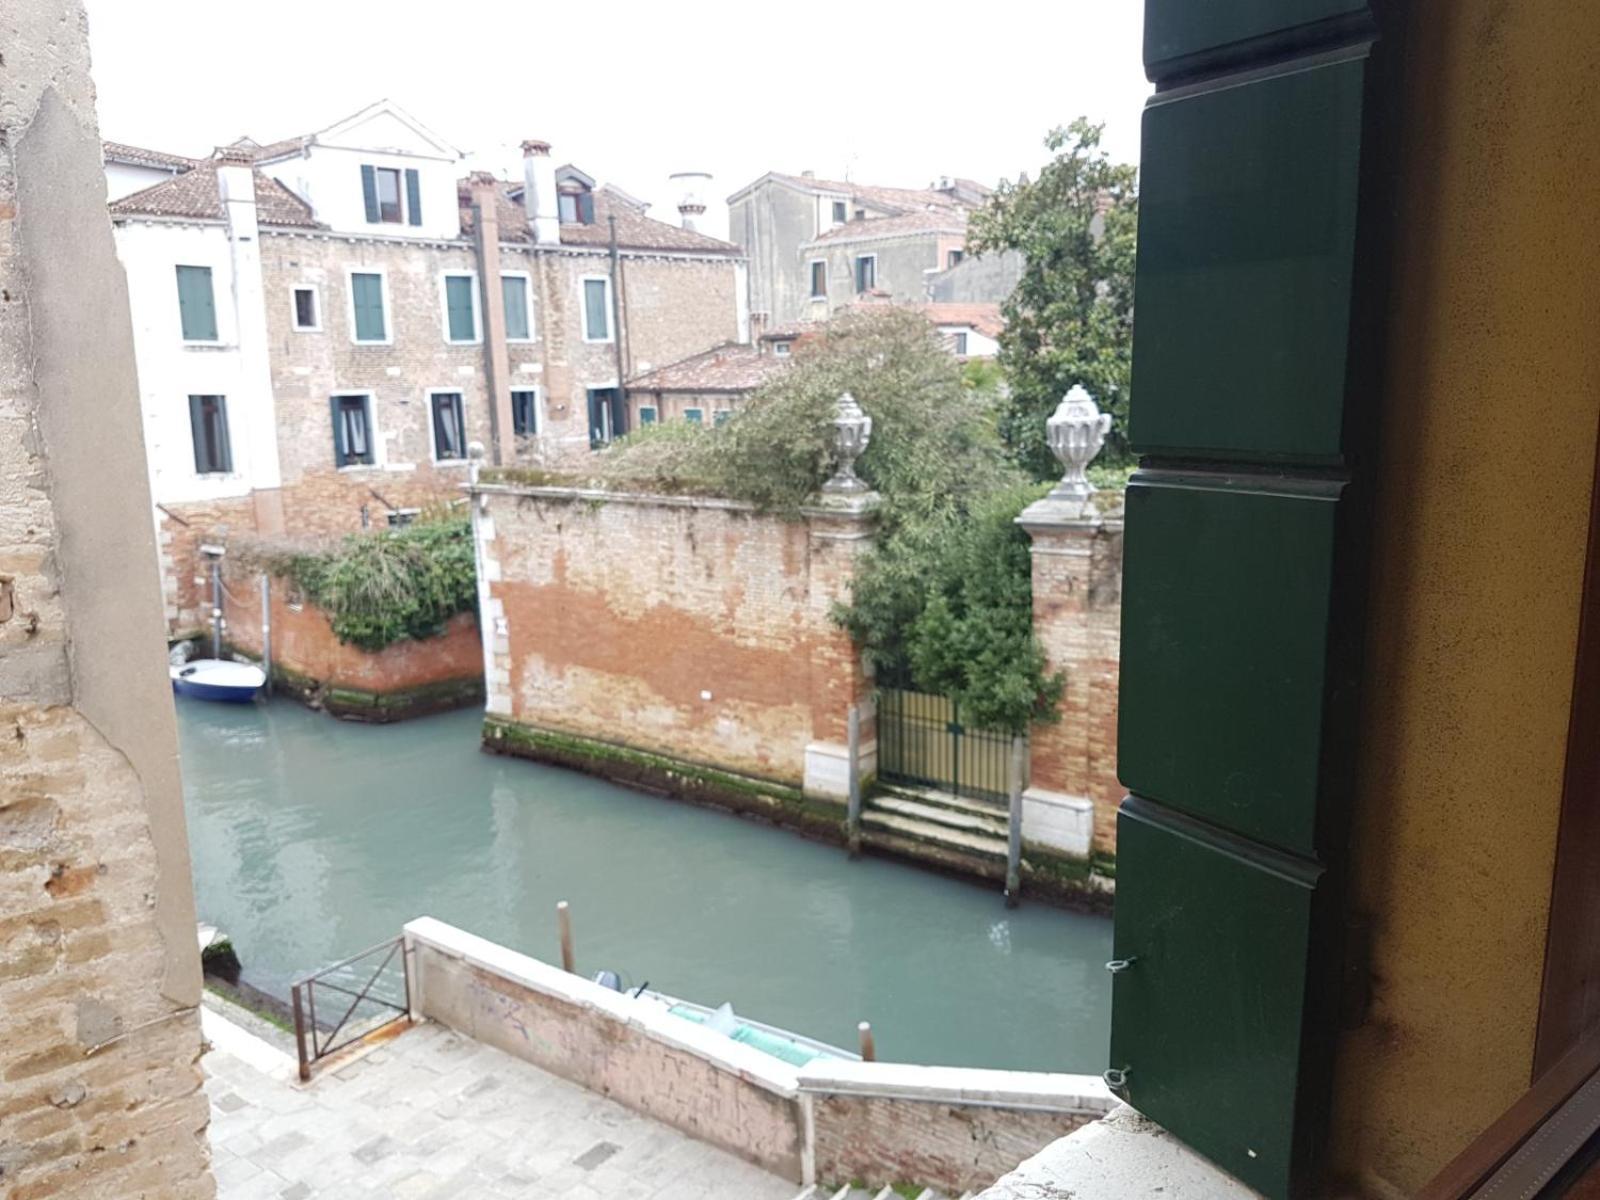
x,y
922,741
383,999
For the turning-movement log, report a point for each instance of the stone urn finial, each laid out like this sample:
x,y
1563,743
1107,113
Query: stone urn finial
x,y
1077,430
852,431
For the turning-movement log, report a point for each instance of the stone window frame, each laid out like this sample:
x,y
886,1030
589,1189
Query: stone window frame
x,y
316,306
445,275
350,272
583,309
374,437
539,426
811,267
533,319
855,269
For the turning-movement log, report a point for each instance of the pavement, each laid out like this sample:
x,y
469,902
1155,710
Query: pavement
x,y
433,1114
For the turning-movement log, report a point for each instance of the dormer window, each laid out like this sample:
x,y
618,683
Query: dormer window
x,y
393,196
577,208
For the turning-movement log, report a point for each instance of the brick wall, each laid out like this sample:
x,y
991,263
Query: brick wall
x,y
695,629
99,972
1077,615
953,1147
303,643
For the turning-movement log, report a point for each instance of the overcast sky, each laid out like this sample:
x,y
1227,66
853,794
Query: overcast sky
x,y
882,93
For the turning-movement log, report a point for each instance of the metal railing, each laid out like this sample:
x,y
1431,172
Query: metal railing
x,y
383,999
922,741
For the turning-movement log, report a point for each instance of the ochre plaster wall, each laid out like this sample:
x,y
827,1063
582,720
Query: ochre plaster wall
x,y
1488,444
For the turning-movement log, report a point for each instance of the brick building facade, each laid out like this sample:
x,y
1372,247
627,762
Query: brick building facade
x,y
321,366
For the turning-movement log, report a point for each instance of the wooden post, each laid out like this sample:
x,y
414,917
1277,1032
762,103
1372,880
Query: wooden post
x,y
869,1049
1019,751
216,607
564,919
853,765
266,628
300,1034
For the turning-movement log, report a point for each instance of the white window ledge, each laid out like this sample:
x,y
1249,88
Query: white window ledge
x,y
1121,1155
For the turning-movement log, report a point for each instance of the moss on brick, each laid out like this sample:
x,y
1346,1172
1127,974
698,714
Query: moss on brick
x,y
769,800
352,704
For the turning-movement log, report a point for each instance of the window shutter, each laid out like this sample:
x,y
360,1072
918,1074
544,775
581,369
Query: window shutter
x,y
197,312
197,429
339,456
413,196
369,191
367,295
514,289
224,443
458,308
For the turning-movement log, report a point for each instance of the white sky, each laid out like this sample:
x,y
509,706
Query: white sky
x,y
884,93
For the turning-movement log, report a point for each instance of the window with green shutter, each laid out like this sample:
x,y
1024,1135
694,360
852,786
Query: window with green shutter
x,y
596,310
694,416
366,300
515,290
647,414
461,318
352,430
197,309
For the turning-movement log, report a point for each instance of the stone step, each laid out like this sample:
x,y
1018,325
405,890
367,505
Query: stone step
x,y
957,839
937,799
852,1193
951,818
811,1191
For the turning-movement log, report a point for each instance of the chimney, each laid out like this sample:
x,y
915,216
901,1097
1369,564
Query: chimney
x,y
539,192
691,187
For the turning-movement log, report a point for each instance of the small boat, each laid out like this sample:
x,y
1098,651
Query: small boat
x,y
217,679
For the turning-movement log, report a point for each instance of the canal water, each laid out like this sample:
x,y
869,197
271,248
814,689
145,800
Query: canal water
x,y
313,839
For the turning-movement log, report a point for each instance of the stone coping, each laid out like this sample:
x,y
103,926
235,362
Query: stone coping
x,y
858,507
645,1016
959,1086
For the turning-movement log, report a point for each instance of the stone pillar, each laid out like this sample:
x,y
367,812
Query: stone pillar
x,y
841,527
1072,799
99,965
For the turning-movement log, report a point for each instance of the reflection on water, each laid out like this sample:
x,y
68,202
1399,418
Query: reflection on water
x,y
313,839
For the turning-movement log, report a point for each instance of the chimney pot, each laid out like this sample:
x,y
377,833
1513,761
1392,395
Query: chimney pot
x,y
232,154
534,146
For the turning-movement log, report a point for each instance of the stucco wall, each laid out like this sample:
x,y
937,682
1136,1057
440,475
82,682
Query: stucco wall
x,y
695,629
1488,443
904,264
99,970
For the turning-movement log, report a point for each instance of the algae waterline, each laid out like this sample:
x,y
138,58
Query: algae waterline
x,y
314,838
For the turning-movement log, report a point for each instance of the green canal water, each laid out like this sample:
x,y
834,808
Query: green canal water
x,y
313,839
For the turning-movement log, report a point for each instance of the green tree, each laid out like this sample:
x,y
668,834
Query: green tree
x,y
1069,319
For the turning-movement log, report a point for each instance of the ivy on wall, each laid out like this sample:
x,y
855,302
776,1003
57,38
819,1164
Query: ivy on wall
x,y
381,588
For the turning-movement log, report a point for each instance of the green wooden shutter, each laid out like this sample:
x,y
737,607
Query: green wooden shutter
x,y
366,292
413,196
197,310
1243,571
369,192
514,289
596,320
459,316
339,455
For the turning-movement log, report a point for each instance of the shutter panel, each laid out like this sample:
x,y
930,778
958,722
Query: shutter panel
x,y
197,312
224,442
1243,577
413,196
369,192
339,457
514,290
197,430
185,320
459,316
207,306
367,295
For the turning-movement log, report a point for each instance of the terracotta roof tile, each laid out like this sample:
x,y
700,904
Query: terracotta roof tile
x,y
985,318
195,194
635,231
940,220
728,368
138,156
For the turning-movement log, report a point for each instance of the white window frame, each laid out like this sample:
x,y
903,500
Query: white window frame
x,y
583,310
538,411
855,272
811,266
433,448
533,322
378,457
444,308
350,273
316,308
405,195
780,349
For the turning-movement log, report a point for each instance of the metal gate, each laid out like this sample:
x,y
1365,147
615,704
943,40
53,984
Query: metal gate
x,y
922,741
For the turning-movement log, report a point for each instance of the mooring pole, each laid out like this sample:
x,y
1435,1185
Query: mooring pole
x,y
853,765
1019,750
266,628
564,919
300,1034
216,607
869,1049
